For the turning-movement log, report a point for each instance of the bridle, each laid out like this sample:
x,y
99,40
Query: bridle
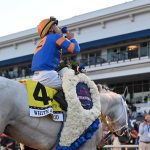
x,y
123,128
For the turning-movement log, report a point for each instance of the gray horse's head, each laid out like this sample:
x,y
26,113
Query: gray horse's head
x,y
115,108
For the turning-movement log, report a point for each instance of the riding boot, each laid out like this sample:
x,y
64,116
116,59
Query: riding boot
x,y
60,98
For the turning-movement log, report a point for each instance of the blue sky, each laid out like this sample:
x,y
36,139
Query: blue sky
x,y
20,15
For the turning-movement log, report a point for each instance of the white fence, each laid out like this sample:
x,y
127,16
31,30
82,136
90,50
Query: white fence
x,y
126,147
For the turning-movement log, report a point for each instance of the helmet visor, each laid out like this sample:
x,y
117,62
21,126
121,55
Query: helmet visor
x,y
54,19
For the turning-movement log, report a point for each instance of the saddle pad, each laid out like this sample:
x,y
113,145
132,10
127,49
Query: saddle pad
x,y
41,102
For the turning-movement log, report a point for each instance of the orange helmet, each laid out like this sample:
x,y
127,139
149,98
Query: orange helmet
x,y
45,25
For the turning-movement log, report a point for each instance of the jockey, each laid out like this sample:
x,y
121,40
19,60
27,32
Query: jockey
x,y
48,53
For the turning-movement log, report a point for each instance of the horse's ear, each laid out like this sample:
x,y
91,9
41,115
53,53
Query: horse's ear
x,y
99,86
125,92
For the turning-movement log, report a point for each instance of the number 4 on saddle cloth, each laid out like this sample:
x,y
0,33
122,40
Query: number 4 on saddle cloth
x,y
44,100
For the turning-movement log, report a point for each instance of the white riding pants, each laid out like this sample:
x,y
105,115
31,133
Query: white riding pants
x,y
48,78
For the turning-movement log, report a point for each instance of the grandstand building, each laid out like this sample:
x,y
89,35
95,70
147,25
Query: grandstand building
x,y
115,47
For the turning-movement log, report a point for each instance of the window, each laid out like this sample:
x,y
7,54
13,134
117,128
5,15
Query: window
x,y
143,49
146,85
84,59
92,59
123,53
137,86
130,87
133,51
112,54
69,58
119,88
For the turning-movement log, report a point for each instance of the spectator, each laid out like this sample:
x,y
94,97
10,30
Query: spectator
x,y
145,99
144,133
134,137
148,98
8,143
116,142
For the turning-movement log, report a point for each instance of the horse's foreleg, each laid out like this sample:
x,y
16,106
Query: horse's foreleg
x,y
2,124
92,143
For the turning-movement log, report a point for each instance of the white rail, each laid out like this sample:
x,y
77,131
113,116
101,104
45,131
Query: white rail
x,y
121,146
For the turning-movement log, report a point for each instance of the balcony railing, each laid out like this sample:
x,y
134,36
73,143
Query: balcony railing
x,y
91,61
109,58
22,73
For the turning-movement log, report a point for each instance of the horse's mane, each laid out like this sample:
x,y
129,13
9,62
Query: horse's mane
x,y
107,92
103,88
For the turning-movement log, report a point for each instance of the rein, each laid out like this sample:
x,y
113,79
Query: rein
x,y
103,118
113,131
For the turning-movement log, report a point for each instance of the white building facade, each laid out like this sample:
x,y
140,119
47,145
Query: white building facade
x,y
115,47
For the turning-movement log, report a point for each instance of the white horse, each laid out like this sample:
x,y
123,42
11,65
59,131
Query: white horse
x,y
42,133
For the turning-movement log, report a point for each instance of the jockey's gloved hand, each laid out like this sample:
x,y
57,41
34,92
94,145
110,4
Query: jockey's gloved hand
x,y
64,29
82,68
